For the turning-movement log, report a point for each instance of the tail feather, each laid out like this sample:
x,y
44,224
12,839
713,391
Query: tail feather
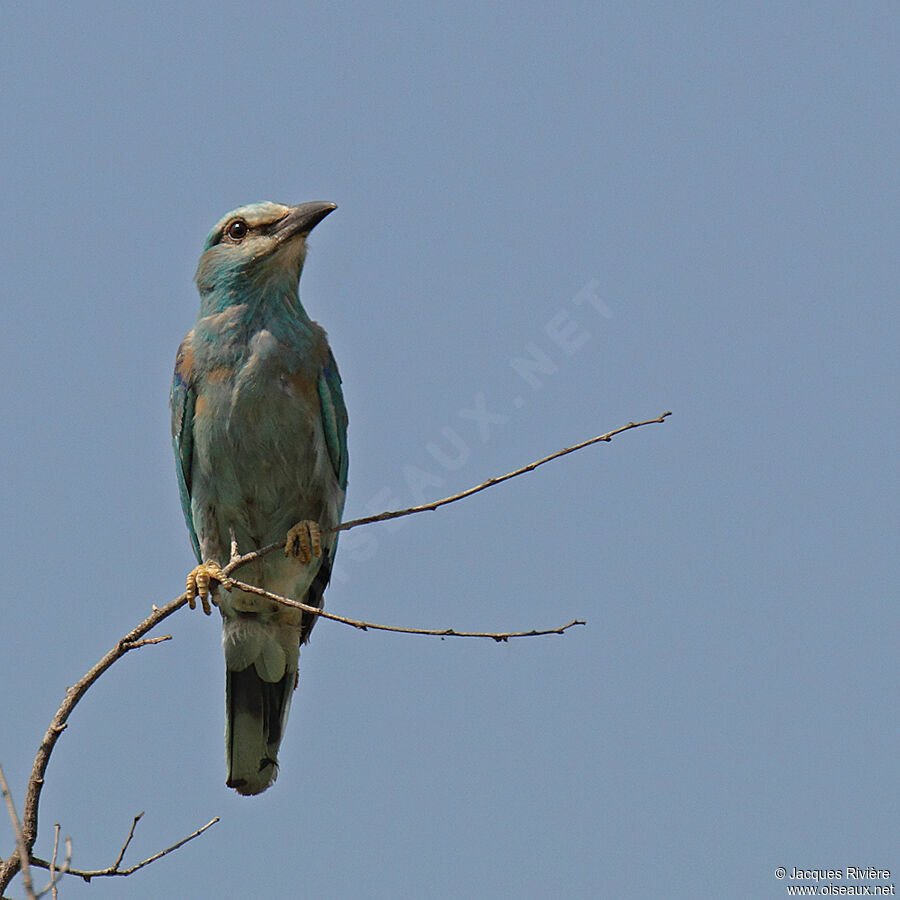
x,y
261,658
256,712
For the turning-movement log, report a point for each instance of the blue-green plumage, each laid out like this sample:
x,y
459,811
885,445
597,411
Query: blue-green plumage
x,y
260,435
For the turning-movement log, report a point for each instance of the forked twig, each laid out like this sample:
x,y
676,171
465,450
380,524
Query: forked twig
x,y
10,866
88,874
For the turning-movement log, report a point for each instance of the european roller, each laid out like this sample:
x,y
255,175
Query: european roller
x,y
259,428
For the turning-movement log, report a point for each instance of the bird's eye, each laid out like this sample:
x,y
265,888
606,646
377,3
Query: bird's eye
x,y
237,229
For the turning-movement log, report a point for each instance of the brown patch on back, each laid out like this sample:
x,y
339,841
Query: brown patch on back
x,y
219,374
184,362
300,384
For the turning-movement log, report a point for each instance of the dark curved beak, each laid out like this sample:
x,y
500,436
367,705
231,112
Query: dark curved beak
x,y
303,218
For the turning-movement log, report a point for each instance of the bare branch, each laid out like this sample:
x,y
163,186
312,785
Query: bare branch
x,y
22,850
237,561
26,831
365,626
9,867
383,517
109,871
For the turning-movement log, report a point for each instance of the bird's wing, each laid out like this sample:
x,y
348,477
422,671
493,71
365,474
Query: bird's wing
x,y
334,424
182,400
334,418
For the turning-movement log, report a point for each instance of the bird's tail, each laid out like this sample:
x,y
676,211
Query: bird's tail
x,y
256,713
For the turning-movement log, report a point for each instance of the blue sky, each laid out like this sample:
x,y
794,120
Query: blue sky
x,y
683,207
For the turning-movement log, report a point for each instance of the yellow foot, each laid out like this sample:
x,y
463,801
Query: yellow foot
x,y
304,541
202,582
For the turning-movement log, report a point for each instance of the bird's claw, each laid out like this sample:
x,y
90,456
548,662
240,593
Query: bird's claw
x,y
202,582
304,541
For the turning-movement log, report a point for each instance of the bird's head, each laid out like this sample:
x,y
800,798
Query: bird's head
x,y
259,245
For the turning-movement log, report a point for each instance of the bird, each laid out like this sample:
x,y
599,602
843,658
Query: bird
x,y
259,430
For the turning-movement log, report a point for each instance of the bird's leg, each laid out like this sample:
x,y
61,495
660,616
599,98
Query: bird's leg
x,y
304,541
202,582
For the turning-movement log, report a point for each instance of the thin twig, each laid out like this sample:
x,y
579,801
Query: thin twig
x,y
121,855
383,517
237,561
132,640
20,841
55,875
365,626
133,645
53,860
109,871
